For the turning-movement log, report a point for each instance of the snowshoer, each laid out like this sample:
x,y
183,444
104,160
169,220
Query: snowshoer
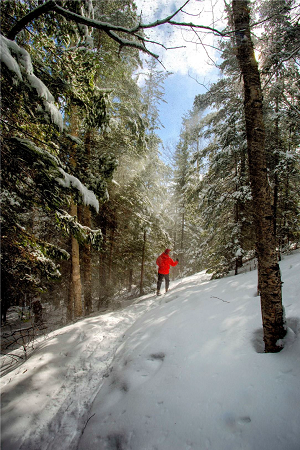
x,y
164,262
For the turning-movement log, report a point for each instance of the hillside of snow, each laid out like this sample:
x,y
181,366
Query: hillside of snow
x,y
185,371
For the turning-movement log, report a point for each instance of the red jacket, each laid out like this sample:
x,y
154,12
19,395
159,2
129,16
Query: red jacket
x,y
164,262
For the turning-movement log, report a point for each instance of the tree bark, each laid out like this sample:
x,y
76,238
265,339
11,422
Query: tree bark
x,y
75,301
182,259
110,260
70,302
239,258
130,279
276,178
268,269
75,290
143,264
87,264
86,248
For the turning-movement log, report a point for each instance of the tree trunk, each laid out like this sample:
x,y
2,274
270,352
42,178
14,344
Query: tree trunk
x,y
75,288
268,268
102,269
182,238
276,178
238,258
130,279
111,249
87,264
86,249
74,306
70,304
143,264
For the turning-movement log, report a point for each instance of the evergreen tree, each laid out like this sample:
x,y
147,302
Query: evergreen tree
x,y
280,75
225,197
32,174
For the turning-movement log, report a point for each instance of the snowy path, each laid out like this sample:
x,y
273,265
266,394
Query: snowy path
x,y
65,373
183,372
191,374
45,401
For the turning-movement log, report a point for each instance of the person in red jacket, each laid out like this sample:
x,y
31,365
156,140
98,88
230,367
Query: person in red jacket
x,y
164,262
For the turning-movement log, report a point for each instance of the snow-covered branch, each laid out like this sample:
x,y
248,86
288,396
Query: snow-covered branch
x,y
32,153
192,25
21,64
88,196
111,30
32,15
82,233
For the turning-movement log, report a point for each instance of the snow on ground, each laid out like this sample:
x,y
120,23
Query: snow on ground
x,y
184,372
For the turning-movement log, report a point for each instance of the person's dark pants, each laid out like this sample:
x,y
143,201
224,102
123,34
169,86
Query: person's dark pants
x,y
162,276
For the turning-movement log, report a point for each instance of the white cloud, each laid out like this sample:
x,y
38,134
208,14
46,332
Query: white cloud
x,y
193,58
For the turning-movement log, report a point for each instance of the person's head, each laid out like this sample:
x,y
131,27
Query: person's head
x,y
167,251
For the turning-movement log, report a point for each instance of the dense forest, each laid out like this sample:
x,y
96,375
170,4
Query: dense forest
x,y
88,202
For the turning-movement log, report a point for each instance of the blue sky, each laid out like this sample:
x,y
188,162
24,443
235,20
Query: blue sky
x,y
187,63
180,91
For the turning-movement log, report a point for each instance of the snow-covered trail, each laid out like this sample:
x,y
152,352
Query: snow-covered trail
x,y
191,374
185,371
45,401
48,395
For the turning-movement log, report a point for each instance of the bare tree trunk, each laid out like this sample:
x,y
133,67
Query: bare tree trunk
x,y
70,304
268,268
86,249
238,258
143,264
87,264
110,261
75,281
130,279
276,178
75,301
182,238
103,269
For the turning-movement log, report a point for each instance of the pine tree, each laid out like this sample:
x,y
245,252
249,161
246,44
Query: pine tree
x,y
224,190
32,174
280,75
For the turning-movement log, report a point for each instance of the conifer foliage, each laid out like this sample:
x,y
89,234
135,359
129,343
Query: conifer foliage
x,y
213,138
79,155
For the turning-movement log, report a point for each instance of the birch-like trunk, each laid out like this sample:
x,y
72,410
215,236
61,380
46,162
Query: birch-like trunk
x,y
268,268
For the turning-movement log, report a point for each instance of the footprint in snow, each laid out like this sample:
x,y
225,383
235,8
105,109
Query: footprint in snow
x,y
157,356
244,420
169,299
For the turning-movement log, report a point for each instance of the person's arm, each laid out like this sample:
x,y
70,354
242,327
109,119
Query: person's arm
x,y
173,263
